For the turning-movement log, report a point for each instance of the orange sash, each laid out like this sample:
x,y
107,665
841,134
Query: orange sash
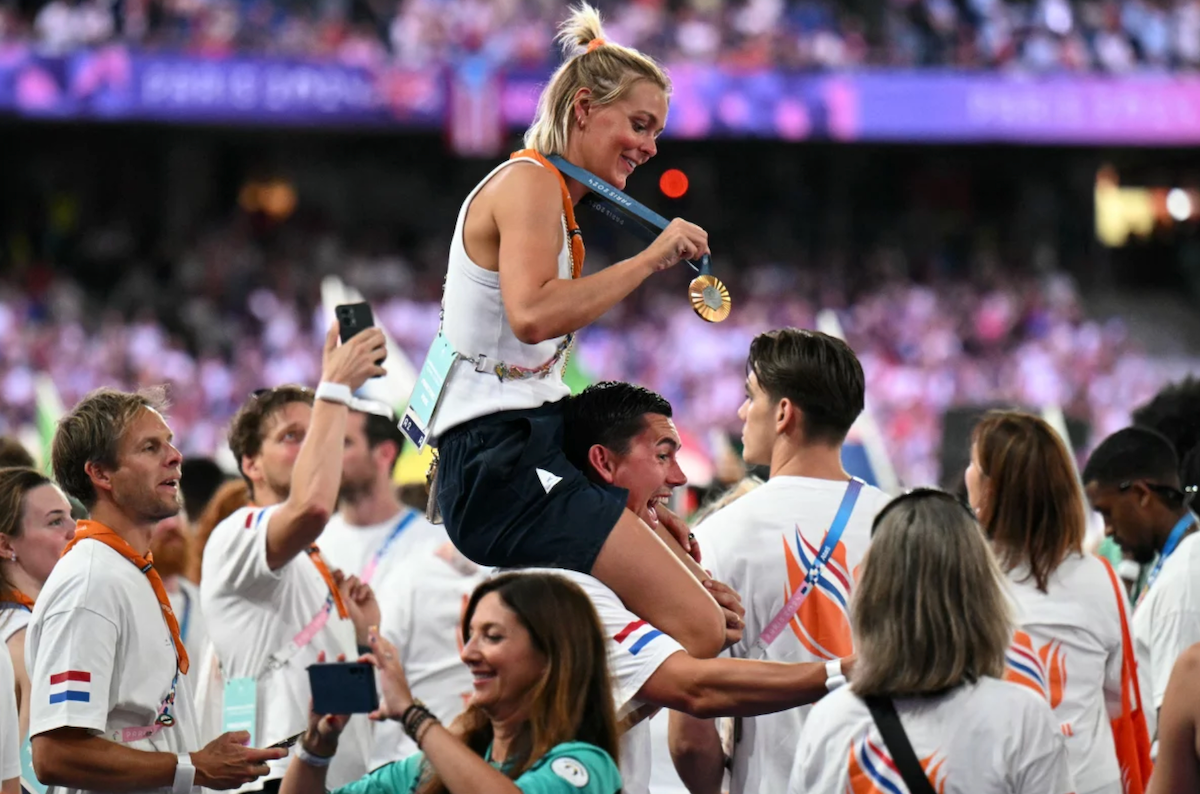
x,y
573,232
17,597
95,531
314,554
1130,732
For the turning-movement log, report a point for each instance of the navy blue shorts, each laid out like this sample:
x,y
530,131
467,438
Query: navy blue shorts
x,y
509,497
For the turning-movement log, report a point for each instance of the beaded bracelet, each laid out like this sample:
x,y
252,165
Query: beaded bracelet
x,y
424,729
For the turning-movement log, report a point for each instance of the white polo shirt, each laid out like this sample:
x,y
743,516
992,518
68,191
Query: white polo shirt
x,y
762,546
1167,620
422,584
991,737
100,656
254,614
635,651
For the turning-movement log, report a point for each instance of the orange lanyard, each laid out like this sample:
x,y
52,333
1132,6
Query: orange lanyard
x,y
17,597
573,232
95,531
314,554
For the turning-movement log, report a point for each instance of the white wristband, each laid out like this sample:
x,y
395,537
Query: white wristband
x,y
834,677
185,774
310,759
334,392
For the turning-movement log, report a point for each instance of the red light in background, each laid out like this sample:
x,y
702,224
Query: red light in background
x,y
673,183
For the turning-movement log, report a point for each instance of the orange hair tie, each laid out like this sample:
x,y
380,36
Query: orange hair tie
x,y
594,43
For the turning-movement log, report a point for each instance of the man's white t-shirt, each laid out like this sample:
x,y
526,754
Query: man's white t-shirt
x,y
635,651
1068,650
100,656
254,615
991,737
10,730
762,546
422,584
1167,619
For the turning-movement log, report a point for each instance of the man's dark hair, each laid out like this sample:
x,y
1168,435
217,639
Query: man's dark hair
x,y
1135,453
246,431
378,430
609,414
199,479
818,373
1175,413
13,454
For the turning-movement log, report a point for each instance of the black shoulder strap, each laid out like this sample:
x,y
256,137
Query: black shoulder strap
x,y
883,711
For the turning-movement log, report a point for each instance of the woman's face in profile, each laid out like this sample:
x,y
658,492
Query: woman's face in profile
x,y
502,658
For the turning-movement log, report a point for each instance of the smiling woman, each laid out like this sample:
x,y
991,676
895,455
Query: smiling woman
x,y
541,718
515,295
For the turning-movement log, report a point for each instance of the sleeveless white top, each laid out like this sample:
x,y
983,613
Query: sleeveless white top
x,y
475,324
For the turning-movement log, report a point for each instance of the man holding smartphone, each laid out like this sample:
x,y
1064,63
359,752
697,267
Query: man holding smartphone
x,y
272,603
111,708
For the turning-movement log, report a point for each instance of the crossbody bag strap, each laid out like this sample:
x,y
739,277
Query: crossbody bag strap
x,y
883,711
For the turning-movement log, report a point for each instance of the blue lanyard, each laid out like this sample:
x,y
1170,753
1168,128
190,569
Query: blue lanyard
x,y
622,209
187,615
13,605
1173,540
369,568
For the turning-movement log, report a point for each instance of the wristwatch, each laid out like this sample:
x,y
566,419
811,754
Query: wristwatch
x,y
185,774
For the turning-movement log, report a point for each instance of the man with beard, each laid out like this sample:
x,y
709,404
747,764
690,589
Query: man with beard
x,y
171,544
112,706
408,562
271,602
1132,480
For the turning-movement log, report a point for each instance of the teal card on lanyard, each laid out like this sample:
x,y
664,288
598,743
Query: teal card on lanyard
x,y
241,707
428,390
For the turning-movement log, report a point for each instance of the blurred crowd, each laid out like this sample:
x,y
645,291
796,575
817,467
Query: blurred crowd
x,y
1111,36
229,319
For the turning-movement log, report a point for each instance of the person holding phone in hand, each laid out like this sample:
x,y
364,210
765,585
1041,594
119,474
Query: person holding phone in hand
x,y
541,719
271,601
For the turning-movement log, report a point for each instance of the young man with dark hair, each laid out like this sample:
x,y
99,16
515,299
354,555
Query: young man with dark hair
x,y
271,603
1175,413
421,581
1132,480
111,706
804,390
622,437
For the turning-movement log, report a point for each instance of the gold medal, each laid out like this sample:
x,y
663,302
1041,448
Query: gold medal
x,y
710,298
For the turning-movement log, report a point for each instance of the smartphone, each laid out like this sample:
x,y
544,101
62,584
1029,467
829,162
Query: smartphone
x,y
288,742
353,318
343,688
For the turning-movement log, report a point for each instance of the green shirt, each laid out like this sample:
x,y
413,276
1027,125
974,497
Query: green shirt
x,y
570,768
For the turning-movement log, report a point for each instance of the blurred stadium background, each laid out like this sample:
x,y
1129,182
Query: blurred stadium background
x,y
996,200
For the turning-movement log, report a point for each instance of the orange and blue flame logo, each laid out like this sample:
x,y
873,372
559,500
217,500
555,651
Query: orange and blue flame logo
x,y
1044,669
872,770
822,624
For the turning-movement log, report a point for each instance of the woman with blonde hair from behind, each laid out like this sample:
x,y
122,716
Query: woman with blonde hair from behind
x,y
931,625
1068,645
515,295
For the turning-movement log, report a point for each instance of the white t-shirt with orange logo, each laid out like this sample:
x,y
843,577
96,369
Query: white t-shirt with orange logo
x,y
762,546
1068,650
991,737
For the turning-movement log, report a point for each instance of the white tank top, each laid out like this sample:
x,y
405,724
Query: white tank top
x,y
475,324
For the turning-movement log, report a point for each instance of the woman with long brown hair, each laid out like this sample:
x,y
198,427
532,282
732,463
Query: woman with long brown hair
x,y
35,527
1068,643
541,718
